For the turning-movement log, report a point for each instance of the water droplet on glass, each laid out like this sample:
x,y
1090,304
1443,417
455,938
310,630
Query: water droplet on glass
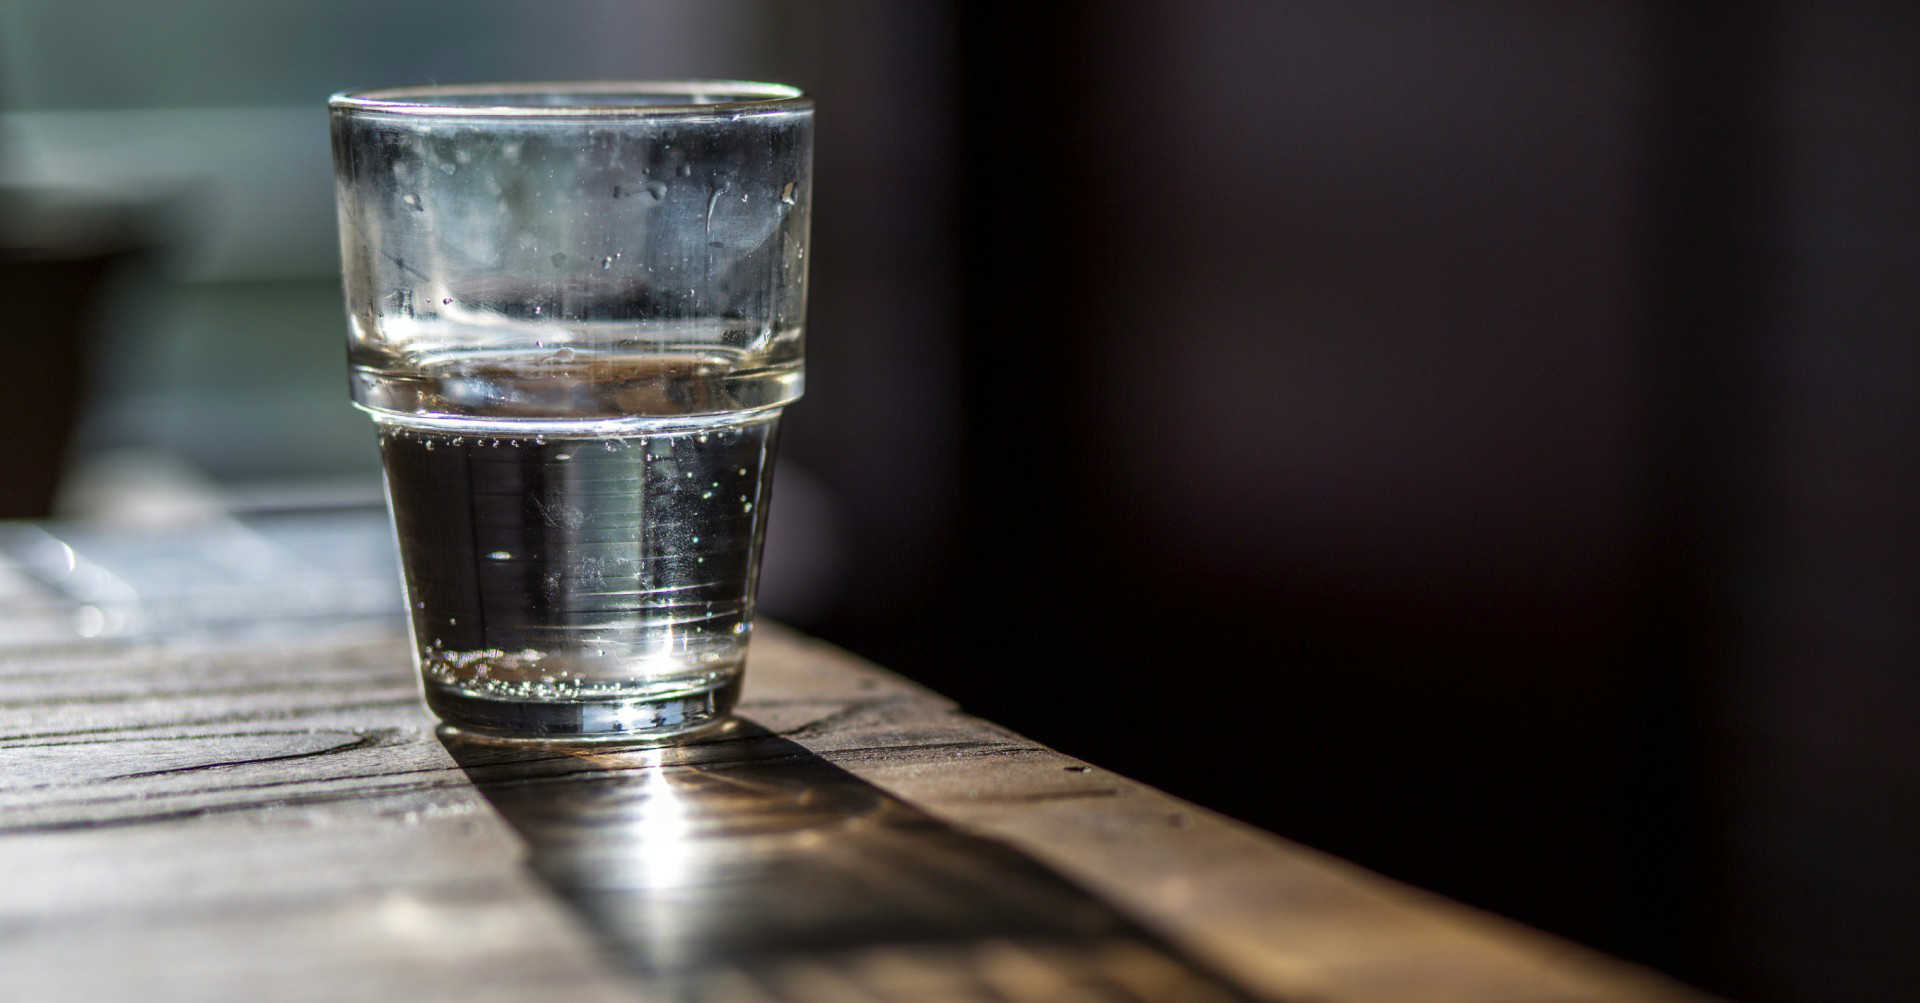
x,y
685,171
412,201
657,189
446,301
786,194
606,263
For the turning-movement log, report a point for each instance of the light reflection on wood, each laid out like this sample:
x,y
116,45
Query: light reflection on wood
x,y
745,855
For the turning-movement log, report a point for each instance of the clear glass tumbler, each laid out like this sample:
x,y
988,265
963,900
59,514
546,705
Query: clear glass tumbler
x,y
575,312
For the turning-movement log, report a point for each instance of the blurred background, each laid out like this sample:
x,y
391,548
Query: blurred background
x,y
1478,441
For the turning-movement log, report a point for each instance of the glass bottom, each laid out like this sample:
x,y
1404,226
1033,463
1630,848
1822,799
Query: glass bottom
x,y
642,718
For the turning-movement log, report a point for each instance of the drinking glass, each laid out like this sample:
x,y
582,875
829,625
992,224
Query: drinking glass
x,y
575,313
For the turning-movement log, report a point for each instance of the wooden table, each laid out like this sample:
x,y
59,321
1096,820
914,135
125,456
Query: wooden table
x,y
217,782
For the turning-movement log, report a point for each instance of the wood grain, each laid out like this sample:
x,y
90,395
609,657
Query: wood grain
x,y
222,806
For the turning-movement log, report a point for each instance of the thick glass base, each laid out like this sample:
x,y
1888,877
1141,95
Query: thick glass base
x,y
632,718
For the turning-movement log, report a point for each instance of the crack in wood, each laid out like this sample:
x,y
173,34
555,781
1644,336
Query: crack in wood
x,y
356,744
412,699
291,686
259,733
901,754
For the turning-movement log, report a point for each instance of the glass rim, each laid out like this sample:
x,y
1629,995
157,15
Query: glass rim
x,y
731,97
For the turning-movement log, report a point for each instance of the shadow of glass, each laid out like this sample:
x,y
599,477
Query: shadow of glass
x,y
741,864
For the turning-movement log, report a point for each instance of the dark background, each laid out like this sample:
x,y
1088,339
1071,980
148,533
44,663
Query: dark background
x,y
1477,440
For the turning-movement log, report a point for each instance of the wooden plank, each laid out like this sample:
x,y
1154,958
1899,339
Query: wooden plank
x,y
211,815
